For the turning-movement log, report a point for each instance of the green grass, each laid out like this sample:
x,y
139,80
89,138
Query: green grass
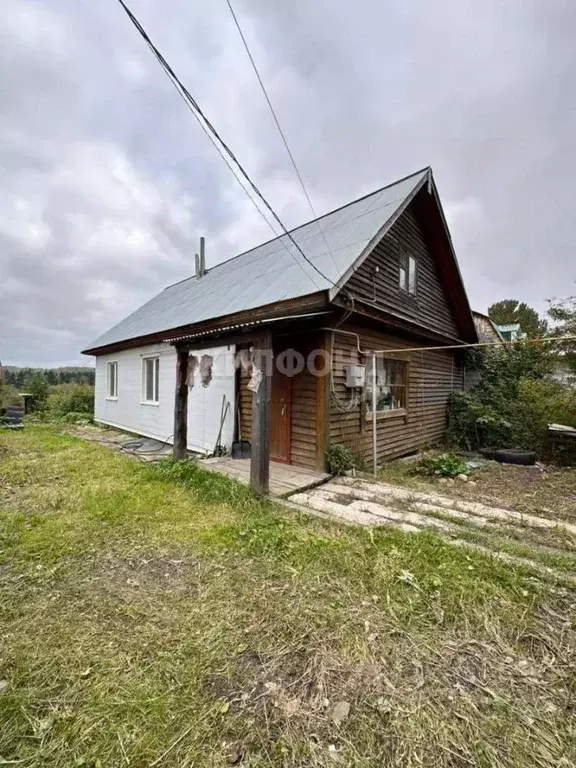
x,y
162,615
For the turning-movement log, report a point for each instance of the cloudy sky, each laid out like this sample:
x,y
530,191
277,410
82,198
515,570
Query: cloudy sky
x,y
107,181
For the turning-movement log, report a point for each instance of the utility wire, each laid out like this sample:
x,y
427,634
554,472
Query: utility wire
x,y
211,138
208,125
280,131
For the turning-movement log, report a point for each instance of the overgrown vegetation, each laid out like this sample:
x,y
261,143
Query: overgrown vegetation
x,y
71,398
70,401
513,402
340,458
165,616
444,465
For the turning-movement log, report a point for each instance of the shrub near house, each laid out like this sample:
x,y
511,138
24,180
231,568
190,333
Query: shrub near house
x,y
513,403
71,398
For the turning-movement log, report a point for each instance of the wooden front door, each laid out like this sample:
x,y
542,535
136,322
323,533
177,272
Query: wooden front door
x,y
280,417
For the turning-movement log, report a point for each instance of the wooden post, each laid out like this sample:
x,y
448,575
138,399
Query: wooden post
x,y
260,453
323,401
181,404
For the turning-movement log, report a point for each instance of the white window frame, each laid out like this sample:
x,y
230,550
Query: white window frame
x,y
386,385
408,273
112,393
155,361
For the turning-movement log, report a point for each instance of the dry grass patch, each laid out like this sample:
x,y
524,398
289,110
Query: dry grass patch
x,y
546,491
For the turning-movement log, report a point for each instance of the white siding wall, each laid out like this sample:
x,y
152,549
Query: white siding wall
x,y
157,421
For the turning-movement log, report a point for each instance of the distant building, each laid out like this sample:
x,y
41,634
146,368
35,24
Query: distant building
x,y
511,332
486,329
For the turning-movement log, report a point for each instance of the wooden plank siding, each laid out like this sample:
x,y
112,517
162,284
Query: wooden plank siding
x,y
430,306
303,444
432,376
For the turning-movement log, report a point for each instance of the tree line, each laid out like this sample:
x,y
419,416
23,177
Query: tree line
x,y
20,377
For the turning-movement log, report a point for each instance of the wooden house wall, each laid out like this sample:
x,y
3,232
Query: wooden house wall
x,y
303,448
432,376
429,307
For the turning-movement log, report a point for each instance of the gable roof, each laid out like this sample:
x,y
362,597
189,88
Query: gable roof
x,y
274,271
486,328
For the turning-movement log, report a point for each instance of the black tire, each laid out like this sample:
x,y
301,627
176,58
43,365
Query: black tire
x,y
512,456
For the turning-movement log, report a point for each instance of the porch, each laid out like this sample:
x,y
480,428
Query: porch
x,y
284,480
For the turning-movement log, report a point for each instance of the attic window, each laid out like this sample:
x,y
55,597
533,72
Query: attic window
x,y
407,272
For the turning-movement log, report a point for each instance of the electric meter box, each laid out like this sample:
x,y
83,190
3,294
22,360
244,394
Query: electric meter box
x,y
355,375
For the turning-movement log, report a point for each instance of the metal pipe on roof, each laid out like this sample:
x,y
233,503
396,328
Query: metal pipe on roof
x,y
202,256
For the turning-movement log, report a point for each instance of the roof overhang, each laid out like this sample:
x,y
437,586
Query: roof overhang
x,y
291,310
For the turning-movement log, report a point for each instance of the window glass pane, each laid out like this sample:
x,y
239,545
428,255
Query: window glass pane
x,y
412,269
149,379
112,379
390,385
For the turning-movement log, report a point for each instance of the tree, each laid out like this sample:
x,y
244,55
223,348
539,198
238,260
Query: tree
x,y
37,386
511,311
563,313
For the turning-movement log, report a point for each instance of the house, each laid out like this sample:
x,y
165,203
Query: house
x,y
352,337
487,330
489,334
511,332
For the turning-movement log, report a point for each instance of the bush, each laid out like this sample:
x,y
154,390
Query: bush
x,y
71,398
445,465
512,404
37,386
8,395
340,458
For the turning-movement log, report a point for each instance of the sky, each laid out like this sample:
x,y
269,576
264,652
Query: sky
x,y
107,181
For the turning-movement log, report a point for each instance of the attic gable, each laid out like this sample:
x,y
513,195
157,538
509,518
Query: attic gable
x,y
419,229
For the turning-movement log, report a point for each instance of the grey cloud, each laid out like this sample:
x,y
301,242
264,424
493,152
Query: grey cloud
x,y
107,181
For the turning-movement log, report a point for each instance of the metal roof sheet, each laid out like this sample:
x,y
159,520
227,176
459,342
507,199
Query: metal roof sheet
x,y
272,272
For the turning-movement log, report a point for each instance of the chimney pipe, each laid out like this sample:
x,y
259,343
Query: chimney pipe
x,y
202,257
197,264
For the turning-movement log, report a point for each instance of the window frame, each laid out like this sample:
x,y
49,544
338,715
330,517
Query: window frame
x,y
381,361
111,365
408,273
155,360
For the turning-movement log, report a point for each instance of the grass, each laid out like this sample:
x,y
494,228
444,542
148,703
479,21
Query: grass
x,y
162,615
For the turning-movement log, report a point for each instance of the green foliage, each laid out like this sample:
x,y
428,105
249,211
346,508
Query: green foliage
x,y
71,398
511,311
8,395
445,465
513,402
67,375
207,486
340,458
563,313
37,386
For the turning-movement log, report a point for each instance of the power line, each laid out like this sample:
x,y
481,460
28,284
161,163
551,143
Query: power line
x,y
280,131
208,125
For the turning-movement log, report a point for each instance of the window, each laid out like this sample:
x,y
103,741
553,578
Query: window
x,y
391,382
407,273
112,381
150,379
